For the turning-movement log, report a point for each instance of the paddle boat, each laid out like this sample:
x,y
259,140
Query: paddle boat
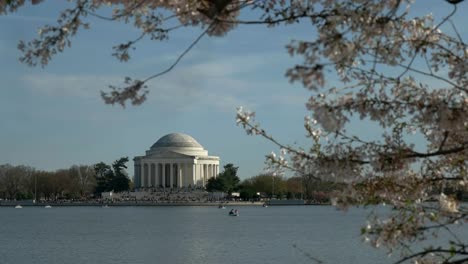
x,y
234,212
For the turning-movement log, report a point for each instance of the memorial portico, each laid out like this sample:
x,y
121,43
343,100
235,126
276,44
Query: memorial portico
x,y
176,160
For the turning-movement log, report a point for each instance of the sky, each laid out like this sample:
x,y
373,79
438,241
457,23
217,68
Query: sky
x,y
54,117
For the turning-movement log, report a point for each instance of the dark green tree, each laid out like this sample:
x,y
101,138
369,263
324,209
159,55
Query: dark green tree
x,y
112,178
267,183
247,191
120,182
215,184
229,178
104,177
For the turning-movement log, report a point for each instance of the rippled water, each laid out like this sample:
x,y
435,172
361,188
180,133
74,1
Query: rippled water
x,y
289,234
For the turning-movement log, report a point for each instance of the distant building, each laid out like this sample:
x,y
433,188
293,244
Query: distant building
x,y
176,160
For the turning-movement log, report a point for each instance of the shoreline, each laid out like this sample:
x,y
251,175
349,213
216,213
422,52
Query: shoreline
x,y
142,203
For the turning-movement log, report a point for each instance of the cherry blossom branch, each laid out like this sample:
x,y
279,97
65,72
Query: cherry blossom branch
x,y
418,48
446,133
415,154
179,58
275,21
437,250
121,51
465,89
455,29
123,14
135,91
54,39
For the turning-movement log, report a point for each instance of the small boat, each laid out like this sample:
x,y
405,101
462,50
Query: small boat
x,y
105,206
265,205
221,207
47,206
18,206
234,213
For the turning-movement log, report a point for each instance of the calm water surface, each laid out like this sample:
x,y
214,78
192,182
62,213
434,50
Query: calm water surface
x,y
289,234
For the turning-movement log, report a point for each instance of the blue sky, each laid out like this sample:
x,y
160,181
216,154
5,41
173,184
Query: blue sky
x,y
53,117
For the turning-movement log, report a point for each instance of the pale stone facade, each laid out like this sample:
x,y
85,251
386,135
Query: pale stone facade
x,y
176,160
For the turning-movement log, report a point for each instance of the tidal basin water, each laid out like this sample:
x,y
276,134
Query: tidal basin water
x,y
198,234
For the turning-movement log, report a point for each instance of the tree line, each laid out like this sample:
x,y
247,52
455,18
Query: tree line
x,y
273,186
76,182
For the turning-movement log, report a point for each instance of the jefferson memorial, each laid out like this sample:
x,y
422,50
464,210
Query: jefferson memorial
x,y
175,161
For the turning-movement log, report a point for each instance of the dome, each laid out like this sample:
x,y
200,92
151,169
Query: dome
x,y
177,140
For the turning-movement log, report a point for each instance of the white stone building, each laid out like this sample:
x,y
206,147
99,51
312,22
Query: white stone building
x,y
176,160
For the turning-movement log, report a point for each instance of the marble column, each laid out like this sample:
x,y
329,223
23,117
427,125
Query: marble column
x,y
171,175
156,174
159,174
200,181
163,175
137,177
194,174
186,174
150,170
179,175
203,174
148,180
143,175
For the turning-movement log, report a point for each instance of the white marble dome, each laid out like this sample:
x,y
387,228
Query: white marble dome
x,y
179,140
179,143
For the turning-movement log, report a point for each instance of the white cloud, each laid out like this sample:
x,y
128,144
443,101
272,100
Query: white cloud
x,y
180,91
215,84
187,89
223,66
69,84
211,66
